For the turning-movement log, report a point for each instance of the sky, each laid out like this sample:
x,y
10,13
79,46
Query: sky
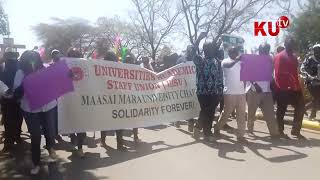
x,y
24,14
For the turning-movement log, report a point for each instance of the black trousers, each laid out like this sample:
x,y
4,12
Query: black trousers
x,y
208,105
55,122
294,98
315,104
221,104
119,135
79,138
12,120
37,122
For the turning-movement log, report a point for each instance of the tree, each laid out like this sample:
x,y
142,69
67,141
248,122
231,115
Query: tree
x,y
4,22
214,18
306,27
62,34
109,28
156,19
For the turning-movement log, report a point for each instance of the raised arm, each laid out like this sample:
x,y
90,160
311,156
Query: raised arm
x,y
229,63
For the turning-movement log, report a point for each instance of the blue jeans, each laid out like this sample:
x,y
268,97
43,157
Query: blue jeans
x,y
34,122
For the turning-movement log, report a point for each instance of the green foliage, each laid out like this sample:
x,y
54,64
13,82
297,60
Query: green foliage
x,y
62,34
4,23
306,28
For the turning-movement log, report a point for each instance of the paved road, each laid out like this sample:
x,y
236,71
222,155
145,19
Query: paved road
x,y
170,153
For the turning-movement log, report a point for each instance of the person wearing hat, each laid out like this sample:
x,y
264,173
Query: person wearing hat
x,y
310,69
55,56
10,108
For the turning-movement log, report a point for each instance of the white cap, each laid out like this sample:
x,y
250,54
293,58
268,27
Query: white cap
x,y
316,46
55,51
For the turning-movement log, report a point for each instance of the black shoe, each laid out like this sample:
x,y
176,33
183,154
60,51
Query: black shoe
x,y
121,148
242,140
297,134
6,148
19,140
209,138
216,133
283,136
59,138
227,127
73,140
275,137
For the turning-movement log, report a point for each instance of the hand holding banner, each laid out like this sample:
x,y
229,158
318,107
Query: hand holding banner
x,y
47,84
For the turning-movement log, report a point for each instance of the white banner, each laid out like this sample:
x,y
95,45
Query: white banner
x,y
110,95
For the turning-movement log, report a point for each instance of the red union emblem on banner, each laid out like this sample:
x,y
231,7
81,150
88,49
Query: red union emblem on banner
x,y
77,73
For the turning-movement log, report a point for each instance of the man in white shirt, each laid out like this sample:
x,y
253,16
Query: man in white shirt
x,y
234,94
259,95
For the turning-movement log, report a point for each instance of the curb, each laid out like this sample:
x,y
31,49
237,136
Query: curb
x,y
312,125
307,124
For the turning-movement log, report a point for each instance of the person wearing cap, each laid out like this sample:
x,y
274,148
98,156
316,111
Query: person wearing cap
x,y
55,55
310,69
287,87
259,95
234,94
10,107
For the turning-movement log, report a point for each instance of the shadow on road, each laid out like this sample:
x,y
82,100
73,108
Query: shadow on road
x,y
16,165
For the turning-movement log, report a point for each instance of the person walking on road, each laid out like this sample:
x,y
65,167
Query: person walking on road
x,y
38,119
287,87
209,88
259,95
311,69
234,94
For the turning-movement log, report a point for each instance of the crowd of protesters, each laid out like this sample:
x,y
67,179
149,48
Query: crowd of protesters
x,y
217,80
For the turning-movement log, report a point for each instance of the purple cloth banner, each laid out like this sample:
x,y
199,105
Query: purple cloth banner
x,y
256,68
48,84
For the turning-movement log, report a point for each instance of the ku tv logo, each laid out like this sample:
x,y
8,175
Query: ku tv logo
x,y
282,23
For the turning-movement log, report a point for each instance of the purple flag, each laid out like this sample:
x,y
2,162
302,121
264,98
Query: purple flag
x,y
48,84
256,67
